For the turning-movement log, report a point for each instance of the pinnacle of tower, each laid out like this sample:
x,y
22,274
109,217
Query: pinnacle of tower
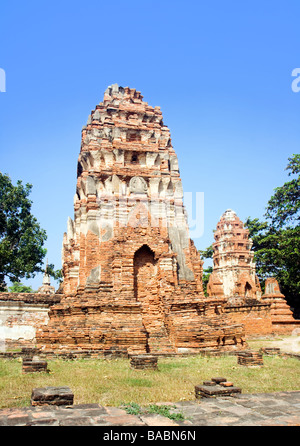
x,y
116,91
229,214
46,287
129,99
46,278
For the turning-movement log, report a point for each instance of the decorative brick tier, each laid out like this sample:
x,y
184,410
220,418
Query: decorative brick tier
x,y
283,321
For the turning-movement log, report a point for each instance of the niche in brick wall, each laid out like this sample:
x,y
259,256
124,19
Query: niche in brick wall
x,y
146,291
145,271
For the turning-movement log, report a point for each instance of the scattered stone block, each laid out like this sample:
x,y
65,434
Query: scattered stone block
x,y
218,380
218,386
29,352
226,384
35,364
143,362
248,358
55,396
216,390
270,350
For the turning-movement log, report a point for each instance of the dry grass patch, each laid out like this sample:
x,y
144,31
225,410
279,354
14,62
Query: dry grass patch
x,y
113,382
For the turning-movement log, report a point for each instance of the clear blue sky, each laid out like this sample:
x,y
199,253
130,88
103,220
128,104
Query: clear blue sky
x,y
220,71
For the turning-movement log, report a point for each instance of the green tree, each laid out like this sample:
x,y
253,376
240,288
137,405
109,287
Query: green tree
x,y
18,287
21,237
206,254
276,241
284,206
55,273
205,278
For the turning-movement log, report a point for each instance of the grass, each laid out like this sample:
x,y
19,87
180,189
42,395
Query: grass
x,y
165,411
113,382
256,344
162,409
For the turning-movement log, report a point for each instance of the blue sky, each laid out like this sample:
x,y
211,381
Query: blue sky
x,y
220,71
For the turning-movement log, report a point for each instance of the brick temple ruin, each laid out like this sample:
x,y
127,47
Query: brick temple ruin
x,y
132,275
234,275
234,278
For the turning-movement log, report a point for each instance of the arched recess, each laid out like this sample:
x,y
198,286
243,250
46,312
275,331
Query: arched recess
x,y
146,291
144,274
161,188
248,289
170,189
157,161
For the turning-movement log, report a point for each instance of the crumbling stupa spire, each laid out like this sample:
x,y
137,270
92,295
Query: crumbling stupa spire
x,y
46,287
234,276
132,275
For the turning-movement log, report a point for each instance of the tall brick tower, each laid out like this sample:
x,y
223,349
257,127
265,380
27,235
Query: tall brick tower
x,y
234,275
132,276
128,191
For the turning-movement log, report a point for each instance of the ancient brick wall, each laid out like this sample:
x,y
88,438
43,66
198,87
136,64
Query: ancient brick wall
x,y
255,318
283,320
271,316
20,316
234,278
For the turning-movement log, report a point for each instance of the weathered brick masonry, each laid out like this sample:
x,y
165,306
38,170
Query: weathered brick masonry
x,y
234,277
21,314
256,318
132,276
282,318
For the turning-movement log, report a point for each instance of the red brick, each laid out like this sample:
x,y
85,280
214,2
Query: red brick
x,y
132,275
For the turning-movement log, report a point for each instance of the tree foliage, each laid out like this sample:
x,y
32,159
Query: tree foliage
x,y
276,241
284,206
21,237
18,287
55,273
206,254
276,253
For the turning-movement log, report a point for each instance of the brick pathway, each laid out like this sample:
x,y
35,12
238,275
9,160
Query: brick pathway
x,y
274,409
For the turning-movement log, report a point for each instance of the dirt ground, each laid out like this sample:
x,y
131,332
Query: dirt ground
x,y
289,344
